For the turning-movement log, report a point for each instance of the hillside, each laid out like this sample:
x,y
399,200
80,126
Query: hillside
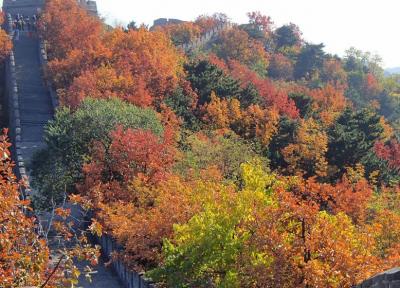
x,y
220,154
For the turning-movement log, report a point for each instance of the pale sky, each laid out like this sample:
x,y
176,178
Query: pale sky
x,y
365,24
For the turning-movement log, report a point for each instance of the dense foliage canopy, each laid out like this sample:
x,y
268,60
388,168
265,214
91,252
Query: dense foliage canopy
x,y
255,159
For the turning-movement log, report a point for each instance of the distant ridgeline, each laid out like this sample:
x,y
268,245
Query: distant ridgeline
x,y
28,6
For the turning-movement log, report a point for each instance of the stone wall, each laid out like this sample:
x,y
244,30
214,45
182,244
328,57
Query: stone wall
x,y
129,278
206,38
14,116
387,279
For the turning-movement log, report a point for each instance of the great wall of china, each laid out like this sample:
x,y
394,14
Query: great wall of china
x,y
32,102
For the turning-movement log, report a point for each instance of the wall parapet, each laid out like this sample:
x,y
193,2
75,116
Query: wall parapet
x,y
387,279
205,38
43,62
14,114
128,277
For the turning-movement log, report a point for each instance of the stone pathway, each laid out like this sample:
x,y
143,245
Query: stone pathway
x,y
35,110
34,100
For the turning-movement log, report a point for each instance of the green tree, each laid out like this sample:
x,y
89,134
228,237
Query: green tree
x,y
212,248
287,35
357,60
183,104
206,78
285,135
352,137
226,153
58,167
132,25
310,61
249,95
303,103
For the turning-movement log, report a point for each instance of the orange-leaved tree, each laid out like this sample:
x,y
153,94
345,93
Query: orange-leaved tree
x,y
132,154
235,44
141,68
73,38
23,255
5,42
147,56
269,93
106,82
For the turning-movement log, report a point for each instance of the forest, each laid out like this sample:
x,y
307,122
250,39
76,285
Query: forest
x,y
253,160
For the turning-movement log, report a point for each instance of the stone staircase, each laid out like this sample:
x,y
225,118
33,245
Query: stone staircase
x,y
35,107
31,106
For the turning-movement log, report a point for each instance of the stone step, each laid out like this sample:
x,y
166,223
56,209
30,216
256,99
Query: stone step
x,y
35,118
30,133
35,106
37,110
32,90
28,148
31,86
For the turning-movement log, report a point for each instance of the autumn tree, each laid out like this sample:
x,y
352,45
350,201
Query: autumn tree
x,y
225,152
333,72
141,224
96,61
5,42
389,152
24,254
307,155
58,167
269,94
181,33
342,255
142,68
235,44
259,28
130,154
104,83
71,47
254,122
328,103
280,67
209,22
212,247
